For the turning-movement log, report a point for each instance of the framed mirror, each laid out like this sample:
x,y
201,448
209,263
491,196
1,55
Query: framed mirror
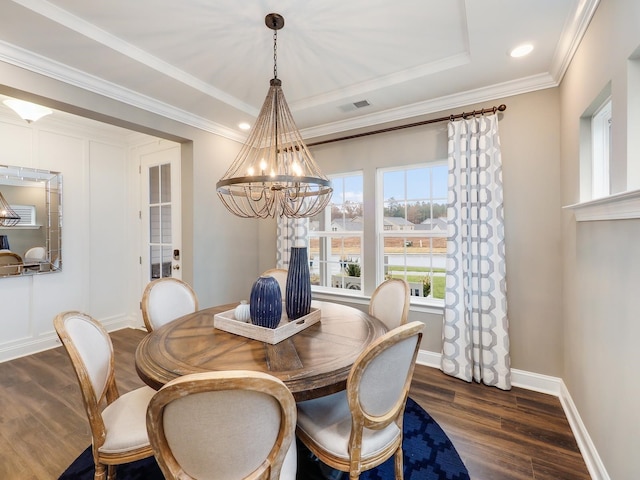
x,y
32,243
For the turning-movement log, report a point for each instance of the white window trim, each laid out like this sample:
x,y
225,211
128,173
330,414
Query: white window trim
x,y
621,206
601,145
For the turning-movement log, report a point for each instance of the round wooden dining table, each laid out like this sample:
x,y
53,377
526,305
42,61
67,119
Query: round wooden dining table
x,y
313,362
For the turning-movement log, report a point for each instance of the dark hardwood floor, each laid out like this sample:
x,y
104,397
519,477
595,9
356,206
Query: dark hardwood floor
x,y
500,435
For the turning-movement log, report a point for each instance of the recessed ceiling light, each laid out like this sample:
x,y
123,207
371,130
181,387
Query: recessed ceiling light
x,y
521,50
244,126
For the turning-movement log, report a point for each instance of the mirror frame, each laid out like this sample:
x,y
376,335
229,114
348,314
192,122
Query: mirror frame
x,y
51,183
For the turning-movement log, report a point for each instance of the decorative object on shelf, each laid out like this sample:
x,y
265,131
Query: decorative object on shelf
x,y
4,242
266,302
8,217
298,290
274,174
242,312
30,112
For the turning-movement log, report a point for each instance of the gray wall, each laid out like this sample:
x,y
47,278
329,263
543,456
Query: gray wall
x,y
601,260
530,153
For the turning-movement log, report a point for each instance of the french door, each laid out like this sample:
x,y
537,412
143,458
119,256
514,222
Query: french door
x,y
160,213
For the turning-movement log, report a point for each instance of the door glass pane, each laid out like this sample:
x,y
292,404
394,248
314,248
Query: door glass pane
x,y
154,185
166,261
154,224
165,178
154,256
166,223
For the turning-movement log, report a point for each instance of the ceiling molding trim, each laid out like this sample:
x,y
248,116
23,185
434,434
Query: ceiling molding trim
x,y
357,89
105,38
506,89
35,63
572,33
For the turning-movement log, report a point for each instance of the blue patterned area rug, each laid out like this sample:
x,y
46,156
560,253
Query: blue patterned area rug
x,y
428,455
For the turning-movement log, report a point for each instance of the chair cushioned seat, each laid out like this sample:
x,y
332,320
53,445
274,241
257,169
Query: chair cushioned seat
x,y
125,421
290,465
328,421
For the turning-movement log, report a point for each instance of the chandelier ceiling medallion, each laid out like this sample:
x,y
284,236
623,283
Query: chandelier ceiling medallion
x,y
274,173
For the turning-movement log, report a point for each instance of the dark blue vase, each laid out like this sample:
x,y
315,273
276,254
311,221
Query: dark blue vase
x,y
265,303
298,297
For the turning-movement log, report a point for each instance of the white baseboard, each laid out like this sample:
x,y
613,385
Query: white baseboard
x,y
29,346
552,386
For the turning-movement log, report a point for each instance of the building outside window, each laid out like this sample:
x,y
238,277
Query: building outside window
x,y
410,232
411,226
335,237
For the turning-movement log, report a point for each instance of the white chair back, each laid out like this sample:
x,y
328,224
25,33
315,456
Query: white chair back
x,y
390,302
166,299
37,254
118,431
224,425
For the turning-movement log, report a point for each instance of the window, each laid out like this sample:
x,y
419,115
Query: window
x,y
600,150
335,237
412,227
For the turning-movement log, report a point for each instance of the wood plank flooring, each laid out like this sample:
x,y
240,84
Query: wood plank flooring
x,y
499,435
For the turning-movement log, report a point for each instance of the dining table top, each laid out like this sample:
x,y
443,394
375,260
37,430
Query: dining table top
x,y
314,362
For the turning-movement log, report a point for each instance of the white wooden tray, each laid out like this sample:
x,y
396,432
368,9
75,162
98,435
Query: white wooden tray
x,y
227,321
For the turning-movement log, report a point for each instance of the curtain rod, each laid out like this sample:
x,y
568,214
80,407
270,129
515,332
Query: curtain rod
x,y
500,108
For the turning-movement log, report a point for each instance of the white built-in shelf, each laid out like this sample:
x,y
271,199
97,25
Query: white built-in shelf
x,y
621,206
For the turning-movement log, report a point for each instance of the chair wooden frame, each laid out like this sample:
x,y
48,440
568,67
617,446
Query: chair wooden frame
x,y
146,298
356,463
196,383
280,274
105,462
391,283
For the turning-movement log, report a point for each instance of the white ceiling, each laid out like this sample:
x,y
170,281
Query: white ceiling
x,y
208,63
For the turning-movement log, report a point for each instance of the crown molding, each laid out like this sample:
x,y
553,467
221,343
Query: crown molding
x,y
470,97
41,65
572,33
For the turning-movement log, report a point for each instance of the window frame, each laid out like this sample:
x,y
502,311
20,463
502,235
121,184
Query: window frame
x,y
601,150
382,234
327,234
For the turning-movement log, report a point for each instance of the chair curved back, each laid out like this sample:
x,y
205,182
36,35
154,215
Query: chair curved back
x,y
390,302
166,299
117,431
10,263
362,428
224,425
89,346
280,274
36,254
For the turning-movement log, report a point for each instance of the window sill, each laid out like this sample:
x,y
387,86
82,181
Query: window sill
x,y
621,206
434,307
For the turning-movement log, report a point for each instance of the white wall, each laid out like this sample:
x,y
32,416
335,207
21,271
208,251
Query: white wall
x,y
96,247
601,260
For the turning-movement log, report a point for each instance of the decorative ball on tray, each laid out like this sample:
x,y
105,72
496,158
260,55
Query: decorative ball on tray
x,y
265,303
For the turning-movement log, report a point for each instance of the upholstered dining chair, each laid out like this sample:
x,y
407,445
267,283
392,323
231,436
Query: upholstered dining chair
x,y
360,428
166,299
224,425
37,254
390,302
118,430
280,274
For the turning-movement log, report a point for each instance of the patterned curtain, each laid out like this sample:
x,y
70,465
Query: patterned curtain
x,y
476,329
291,232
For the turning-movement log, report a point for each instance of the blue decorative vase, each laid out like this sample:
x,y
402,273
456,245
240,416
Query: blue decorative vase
x,y
265,303
298,290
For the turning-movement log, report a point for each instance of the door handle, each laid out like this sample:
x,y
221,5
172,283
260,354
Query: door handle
x,y
176,267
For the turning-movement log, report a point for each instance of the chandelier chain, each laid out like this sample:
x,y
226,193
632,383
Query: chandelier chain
x,y
275,54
